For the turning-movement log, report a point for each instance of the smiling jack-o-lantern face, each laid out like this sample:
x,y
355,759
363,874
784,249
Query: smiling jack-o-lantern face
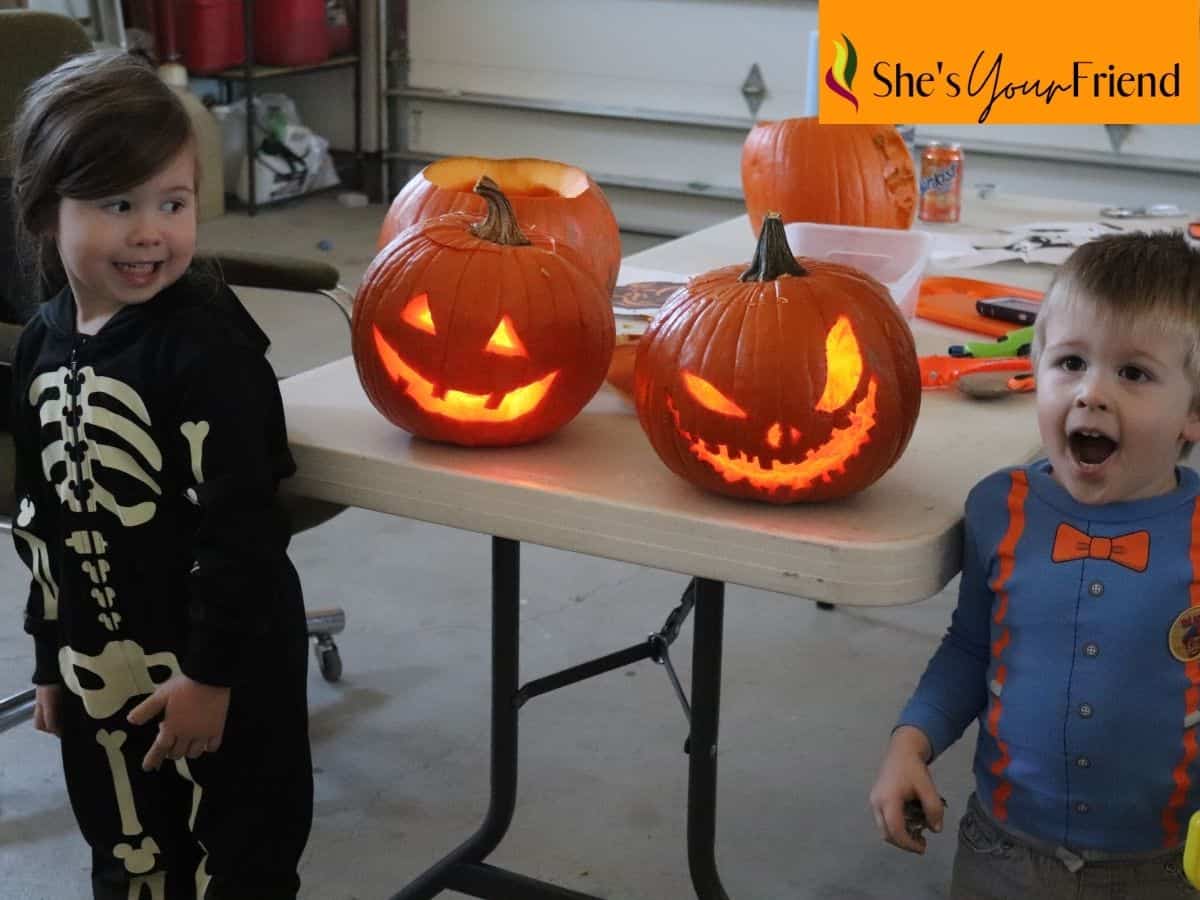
x,y
799,387
464,338
504,406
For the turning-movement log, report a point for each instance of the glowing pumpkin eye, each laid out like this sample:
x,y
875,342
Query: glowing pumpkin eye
x,y
710,398
504,340
843,365
417,314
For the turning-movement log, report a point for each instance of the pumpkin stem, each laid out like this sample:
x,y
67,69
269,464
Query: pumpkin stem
x,y
772,257
500,226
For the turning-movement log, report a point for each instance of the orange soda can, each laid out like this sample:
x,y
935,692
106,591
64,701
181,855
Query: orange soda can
x,y
941,182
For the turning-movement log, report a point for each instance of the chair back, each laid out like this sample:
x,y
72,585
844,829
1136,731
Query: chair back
x,y
31,44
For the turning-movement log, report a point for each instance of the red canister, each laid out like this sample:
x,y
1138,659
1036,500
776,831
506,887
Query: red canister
x,y
290,32
212,35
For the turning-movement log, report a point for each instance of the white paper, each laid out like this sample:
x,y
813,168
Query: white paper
x,y
1048,243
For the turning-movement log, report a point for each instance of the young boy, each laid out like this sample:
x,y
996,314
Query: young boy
x,y
1076,639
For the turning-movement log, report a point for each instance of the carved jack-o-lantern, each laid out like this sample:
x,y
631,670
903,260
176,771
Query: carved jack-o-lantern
x,y
472,332
794,380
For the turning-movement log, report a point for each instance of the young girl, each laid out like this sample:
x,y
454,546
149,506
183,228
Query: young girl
x,y
167,619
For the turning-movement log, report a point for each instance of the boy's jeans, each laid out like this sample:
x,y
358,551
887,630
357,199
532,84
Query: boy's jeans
x,y
992,863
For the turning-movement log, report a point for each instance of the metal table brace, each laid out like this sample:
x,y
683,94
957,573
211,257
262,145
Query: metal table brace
x,y
463,869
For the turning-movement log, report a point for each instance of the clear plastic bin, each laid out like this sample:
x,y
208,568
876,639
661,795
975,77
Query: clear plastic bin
x,y
896,258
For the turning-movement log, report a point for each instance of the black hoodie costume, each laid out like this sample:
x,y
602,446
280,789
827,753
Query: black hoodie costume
x,y
148,457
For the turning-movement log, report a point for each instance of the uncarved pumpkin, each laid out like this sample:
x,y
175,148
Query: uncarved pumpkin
x,y
468,330
554,198
835,174
793,380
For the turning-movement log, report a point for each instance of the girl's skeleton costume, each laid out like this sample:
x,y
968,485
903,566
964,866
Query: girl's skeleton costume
x,y
148,457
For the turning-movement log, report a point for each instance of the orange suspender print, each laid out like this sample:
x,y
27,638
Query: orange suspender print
x,y
1191,703
1006,552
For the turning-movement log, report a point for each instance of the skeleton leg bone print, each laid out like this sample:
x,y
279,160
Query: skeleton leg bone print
x,y
112,741
156,884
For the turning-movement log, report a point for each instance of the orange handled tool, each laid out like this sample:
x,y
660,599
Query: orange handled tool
x,y
943,371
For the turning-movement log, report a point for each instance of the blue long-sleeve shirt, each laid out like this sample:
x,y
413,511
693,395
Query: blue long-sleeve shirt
x,y
1076,643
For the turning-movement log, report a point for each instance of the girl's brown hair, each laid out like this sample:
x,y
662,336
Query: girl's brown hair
x,y
99,124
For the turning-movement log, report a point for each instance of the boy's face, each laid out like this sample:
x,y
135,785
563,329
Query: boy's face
x,y
1114,406
124,249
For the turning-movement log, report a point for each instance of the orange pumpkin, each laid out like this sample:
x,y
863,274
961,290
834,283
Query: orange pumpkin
x,y
469,331
836,174
552,197
793,380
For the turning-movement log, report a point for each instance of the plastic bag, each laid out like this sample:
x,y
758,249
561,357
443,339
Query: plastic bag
x,y
289,158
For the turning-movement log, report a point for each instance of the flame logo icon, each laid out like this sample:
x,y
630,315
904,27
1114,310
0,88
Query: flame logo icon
x,y
840,77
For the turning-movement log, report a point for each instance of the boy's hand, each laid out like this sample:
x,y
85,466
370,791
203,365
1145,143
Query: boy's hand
x,y
46,699
193,719
904,776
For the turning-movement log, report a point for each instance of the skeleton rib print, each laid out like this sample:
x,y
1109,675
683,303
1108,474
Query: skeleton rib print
x,y
79,448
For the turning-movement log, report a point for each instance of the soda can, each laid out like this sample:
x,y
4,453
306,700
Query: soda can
x,y
941,182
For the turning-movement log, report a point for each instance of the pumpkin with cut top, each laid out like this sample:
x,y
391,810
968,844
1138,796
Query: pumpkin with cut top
x,y
793,380
547,196
470,331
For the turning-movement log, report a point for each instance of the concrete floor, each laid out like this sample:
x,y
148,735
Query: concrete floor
x,y
400,745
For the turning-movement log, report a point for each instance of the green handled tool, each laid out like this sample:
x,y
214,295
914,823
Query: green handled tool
x,y
1015,343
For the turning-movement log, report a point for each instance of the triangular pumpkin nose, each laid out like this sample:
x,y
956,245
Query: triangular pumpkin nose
x,y
504,340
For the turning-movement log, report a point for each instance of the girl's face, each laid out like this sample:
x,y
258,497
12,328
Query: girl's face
x,y
124,249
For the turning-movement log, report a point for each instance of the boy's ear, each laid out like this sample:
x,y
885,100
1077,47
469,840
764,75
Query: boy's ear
x,y
1191,428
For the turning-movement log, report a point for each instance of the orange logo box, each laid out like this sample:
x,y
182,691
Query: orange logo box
x,y
1017,62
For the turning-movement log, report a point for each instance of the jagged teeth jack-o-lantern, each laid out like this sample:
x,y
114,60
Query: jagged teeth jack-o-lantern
x,y
793,380
471,331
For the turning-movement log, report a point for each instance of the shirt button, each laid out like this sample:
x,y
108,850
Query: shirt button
x,y
1082,808
1096,588
1091,649
1083,762
1085,710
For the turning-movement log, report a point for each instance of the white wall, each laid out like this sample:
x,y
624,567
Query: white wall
x,y
602,70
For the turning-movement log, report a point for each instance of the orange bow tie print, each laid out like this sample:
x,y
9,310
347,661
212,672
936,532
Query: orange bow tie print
x,y
1129,550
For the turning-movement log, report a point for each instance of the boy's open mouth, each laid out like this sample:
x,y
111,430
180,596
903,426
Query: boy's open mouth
x,y
141,268
1090,448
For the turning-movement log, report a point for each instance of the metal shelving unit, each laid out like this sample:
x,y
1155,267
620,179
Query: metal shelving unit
x,y
250,73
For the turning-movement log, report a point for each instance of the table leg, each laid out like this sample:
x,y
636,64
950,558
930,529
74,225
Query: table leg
x,y
702,758
463,868
506,573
